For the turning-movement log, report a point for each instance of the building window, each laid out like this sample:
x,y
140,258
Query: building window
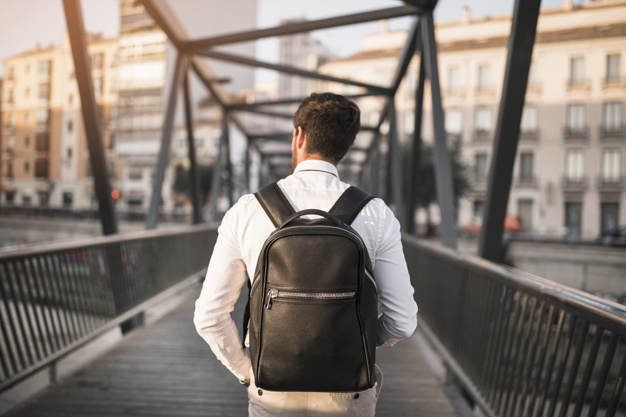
x,y
27,69
574,165
480,167
453,121
526,165
478,209
577,71
27,117
27,142
532,75
26,167
42,116
70,99
97,61
611,165
484,77
529,120
97,88
10,97
135,175
43,69
11,120
27,92
612,117
41,168
609,218
483,120
454,80
68,198
9,175
576,117
43,92
573,218
69,153
11,74
10,143
42,142
70,125
613,68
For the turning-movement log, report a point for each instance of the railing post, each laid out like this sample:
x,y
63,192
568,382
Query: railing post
x,y
395,168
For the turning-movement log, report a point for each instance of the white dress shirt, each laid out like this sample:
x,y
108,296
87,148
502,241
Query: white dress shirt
x,y
244,229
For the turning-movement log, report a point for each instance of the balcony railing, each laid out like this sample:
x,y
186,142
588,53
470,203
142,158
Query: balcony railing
x,y
615,82
576,133
612,132
482,135
570,183
615,183
529,135
578,84
526,182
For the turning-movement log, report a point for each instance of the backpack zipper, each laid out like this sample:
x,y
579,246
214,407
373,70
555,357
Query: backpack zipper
x,y
272,293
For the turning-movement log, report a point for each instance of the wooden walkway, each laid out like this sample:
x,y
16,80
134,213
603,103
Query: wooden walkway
x,y
166,369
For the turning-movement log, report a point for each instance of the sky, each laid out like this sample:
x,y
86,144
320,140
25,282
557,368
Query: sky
x,y
24,23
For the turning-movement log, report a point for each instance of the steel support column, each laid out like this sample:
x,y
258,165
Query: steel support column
x,y
91,119
443,169
396,163
191,145
416,153
216,180
228,165
520,50
166,140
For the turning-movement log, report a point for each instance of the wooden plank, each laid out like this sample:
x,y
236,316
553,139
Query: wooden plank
x,y
167,369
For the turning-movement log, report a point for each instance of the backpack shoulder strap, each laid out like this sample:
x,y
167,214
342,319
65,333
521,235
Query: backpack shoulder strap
x,y
350,204
274,203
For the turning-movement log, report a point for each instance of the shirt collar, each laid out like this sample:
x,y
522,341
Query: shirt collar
x,y
317,165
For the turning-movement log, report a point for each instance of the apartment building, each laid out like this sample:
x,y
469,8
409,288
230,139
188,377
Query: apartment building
x,y
569,173
44,149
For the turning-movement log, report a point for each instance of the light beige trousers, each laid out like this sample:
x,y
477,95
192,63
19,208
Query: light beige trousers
x,y
264,403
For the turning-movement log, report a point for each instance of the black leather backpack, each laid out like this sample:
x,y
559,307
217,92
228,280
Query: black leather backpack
x,y
313,303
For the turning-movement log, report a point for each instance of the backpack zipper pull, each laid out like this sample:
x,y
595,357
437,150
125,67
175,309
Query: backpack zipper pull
x,y
270,294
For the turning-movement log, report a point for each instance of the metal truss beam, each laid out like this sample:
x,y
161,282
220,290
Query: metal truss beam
x,y
166,141
236,59
301,27
443,168
520,50
91,119
295,100
191,149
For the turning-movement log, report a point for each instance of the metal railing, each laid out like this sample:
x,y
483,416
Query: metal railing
x,y
55,298
518,344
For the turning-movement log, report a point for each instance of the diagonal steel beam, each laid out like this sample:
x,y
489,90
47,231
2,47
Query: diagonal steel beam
x,y
265,112
443,168
295,100
301,27
191,149
520,50
91,120
236,59
166,140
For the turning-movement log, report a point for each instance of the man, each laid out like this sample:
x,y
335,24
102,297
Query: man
x,y
325,126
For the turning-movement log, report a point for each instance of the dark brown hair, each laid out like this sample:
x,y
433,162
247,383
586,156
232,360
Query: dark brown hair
x,y
330,122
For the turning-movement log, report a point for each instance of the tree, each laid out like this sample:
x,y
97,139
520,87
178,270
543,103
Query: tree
x,y
182,183
425,182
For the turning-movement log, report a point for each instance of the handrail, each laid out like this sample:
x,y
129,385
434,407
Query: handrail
x,y
517,343
56,297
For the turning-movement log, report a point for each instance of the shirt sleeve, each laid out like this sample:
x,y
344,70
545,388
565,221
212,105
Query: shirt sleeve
x,y
398,310
225,276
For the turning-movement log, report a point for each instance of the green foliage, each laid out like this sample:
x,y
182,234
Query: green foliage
x,y
182,183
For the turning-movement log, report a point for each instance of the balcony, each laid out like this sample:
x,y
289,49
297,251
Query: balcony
x,y
576,133
479,183
613,183
578,84
481,135
529,135
526,182
570,183
613,83
612,132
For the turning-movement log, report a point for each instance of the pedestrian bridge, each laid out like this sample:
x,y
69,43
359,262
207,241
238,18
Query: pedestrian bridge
x,y
508,343
511,343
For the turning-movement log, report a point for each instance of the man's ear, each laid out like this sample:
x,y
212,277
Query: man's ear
x,y
300,137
